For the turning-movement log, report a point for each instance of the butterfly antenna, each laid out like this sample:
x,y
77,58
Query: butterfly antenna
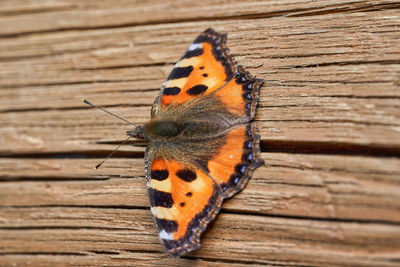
x,y
109,156
106,111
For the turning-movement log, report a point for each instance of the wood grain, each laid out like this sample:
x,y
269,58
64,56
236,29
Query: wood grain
x,y
329,119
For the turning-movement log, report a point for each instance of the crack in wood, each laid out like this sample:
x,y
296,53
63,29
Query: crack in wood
x,y
267,146
227,211
341,63
328,148
47,84
328,121
56,179
69,108
247,263
90,154
299,12
66,227
44,253
42,10
361,8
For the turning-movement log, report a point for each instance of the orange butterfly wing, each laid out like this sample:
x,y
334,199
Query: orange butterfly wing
x,y
183,201
185,197
240,96
232,166
205,67
189,175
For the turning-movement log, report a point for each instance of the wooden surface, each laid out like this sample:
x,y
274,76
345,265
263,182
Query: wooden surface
x,y
329,116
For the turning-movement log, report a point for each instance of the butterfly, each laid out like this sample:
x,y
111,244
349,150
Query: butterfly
x,y
202,146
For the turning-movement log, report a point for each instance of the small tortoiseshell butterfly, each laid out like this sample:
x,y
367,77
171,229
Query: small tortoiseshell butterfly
x,y
202,144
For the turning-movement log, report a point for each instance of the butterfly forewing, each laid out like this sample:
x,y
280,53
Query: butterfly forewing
x,y
205,67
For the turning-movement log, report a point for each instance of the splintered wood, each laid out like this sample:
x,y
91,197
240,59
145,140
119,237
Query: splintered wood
x,y
329,119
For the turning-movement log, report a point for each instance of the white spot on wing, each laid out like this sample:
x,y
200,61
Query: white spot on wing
x,y
195,46
230,156
166,235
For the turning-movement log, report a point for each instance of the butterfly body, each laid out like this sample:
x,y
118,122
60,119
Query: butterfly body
x,y
202,144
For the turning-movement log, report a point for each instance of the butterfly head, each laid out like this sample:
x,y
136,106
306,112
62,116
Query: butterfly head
x,y
137,133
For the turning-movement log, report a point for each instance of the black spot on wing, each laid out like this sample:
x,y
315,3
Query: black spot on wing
x,y
186,175
171,90
234,179
160,199
240,79
219,50
241,168
248,144
223,186
159,175
196,225
168,225
190,241
180,72
197,89
247,156
193,53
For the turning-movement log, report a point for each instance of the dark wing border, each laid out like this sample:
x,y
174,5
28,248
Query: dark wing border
x,y
191,240
221,53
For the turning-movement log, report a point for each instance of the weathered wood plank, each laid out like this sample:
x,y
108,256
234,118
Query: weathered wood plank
x,y
329,105
100,258
267,43
314,186
342,90
22,17
88,130
284,241
269,47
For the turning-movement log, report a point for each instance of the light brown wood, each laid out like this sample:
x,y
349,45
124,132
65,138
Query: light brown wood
x,y
329,118
320,186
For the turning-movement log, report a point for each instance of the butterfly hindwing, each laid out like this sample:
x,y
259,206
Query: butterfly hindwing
x,y
205,67
232,166
183,201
